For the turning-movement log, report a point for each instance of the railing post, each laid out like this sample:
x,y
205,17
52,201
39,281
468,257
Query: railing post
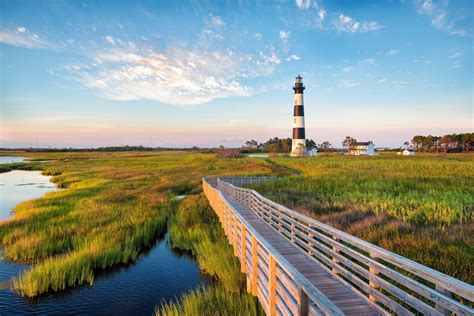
x,y
236,235
310,245
303,308
272,285
439,307
293,234
334,259
243,248
254,266
372,284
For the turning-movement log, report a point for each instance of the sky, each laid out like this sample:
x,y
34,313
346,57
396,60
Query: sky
x,y
206,73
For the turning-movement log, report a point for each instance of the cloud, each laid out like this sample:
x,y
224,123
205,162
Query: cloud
x,y
303,4
174,76
446,19
392,52
258,36
380,81
293,57
368,61
22,37
348,24
456,59
284,36
456,55
423,60
217,21
347,83
110,39
348,69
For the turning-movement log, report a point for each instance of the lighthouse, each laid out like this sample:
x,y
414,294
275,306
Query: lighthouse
x,y
298,145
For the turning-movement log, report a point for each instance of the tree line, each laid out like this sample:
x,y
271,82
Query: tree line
x,y
463,142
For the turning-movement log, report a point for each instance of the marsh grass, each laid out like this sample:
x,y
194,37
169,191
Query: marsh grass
x,y
420,207
211,301
113,206
195,227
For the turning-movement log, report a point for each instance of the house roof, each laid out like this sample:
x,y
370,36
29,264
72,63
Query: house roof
x,y
362,144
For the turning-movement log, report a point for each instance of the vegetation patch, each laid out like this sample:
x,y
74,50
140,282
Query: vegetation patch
x,y
419,207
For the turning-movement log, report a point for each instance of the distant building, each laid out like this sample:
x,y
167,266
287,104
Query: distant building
x,y
362,149
408,152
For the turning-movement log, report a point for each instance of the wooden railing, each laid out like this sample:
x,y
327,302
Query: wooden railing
x,y
391,283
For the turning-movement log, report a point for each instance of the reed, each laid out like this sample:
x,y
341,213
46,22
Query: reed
x,y
420,207
211,301
113,205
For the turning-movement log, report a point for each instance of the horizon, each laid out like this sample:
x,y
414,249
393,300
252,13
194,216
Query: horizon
x,y
375,71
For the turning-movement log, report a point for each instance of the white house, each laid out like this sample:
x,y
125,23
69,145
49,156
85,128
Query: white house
x,y
362,148
408,152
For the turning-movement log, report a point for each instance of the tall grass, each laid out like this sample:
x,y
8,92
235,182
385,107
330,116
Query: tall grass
x,y
420,207
113,205
211,301
195,227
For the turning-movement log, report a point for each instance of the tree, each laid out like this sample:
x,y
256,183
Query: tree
x,y
348,141
445,142
325,146
251,145
310,143
406,144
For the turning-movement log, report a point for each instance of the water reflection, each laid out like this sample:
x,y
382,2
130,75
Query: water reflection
x,y
18,185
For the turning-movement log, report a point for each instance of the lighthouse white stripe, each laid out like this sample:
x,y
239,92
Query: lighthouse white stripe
x,y
298,121
298,99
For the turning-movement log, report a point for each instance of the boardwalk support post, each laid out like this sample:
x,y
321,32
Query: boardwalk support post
x,y
303,303
254,266
272,285
243,248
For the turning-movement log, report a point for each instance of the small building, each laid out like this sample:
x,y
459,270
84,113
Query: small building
x,y
362,149
408,152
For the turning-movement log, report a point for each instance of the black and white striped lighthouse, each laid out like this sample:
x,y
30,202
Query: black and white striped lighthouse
x,y
298,146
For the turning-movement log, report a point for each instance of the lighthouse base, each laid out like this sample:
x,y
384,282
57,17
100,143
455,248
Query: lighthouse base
x,y
311,152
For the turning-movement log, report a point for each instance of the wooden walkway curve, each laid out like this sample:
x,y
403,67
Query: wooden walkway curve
x,y
298,266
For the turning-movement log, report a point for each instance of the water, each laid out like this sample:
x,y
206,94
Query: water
x,y
19,185
4,160
159,274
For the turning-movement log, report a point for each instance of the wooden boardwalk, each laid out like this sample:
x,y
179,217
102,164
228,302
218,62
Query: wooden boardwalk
x,y
346,300
298,266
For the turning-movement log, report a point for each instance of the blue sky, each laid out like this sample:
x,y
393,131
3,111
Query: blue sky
x,y
176,73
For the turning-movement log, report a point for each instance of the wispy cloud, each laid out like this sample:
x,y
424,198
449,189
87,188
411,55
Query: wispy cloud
x,y
423,60
314,13
456,60
293,57
444,19
217,21
348,24
284,36
347,69
348,83
22,37
304,4
392,52
175,76
368,61
258,36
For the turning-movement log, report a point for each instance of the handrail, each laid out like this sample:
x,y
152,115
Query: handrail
x,y
318,298
395,283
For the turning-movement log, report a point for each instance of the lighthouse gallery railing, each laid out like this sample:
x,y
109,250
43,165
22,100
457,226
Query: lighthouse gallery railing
x,y
392,283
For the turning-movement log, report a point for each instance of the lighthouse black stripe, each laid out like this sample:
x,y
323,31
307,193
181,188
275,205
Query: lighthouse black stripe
x,y
298,133
299,110
298,89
